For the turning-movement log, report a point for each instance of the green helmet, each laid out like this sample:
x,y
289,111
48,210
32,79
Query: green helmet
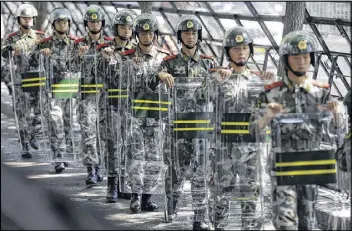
x,y
235,37
145,23
186,23
60,13
125,17
93,14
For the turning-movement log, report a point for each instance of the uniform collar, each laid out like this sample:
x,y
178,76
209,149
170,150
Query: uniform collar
x,y
56,39
186,58
153,52
245,74
90,40
306,84
31,34
117,46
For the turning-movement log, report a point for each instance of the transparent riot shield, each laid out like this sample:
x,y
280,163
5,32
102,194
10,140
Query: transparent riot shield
x,y
29,100
63,91
303,163
188,176
238,166
90,108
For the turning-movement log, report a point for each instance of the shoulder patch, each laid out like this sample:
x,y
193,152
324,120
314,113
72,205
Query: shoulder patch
x,y
163,51
46,39
102,46
108,38
72,37
320,84
40,32
12,34
128,52
206,57
79,40
170,57
274,85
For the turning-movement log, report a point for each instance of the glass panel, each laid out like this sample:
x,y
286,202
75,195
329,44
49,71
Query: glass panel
x,y
198,6
213,27
344,66
164,5
276,29
135,4
348,30
172,19
164,26
330,9
256,32
228,23
230,7
110,12
270,8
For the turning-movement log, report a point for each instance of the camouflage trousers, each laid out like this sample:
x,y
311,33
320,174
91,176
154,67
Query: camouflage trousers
x,y
59,126
28,112
146,168
187,157
231,160
91,140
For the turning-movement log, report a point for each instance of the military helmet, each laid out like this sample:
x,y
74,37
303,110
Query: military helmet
x,y
186,23
298,42
26,10
94,14
125,17
145,23
60,13
235,37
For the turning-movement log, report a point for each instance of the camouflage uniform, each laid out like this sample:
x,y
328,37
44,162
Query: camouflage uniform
x,y
145,135
180,65
26,103
238,158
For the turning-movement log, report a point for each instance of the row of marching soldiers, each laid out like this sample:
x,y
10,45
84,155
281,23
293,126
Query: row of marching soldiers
x,y
151,119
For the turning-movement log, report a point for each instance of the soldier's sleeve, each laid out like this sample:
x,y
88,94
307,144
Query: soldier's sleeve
x,y
7,48
154,80
257,114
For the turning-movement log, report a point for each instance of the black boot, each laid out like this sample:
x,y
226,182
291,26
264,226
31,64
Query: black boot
x,y
147,203
59,167
25,153
122,195
199,221
135,205
111,196
91,179
34,143
98,174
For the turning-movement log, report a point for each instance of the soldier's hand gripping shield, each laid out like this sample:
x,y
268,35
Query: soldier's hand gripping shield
x,y
303,161
149,111
29,100
238,168
192,130
63,92
91,106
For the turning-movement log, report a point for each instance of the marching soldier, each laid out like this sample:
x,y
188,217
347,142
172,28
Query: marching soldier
x,y
94,21
188,63
145,131
240,156
294,205
59,48
17,48
108,65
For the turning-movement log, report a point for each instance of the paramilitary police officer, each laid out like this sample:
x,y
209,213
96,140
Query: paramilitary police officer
x,y
108,66
86,54
294,206
145,132
187,63
59,47
240,158
18,45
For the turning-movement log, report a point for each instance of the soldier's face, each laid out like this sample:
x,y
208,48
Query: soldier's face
x,y
146,38
94,26
124,30
61,25
299,63
239,54
26,21
189,38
